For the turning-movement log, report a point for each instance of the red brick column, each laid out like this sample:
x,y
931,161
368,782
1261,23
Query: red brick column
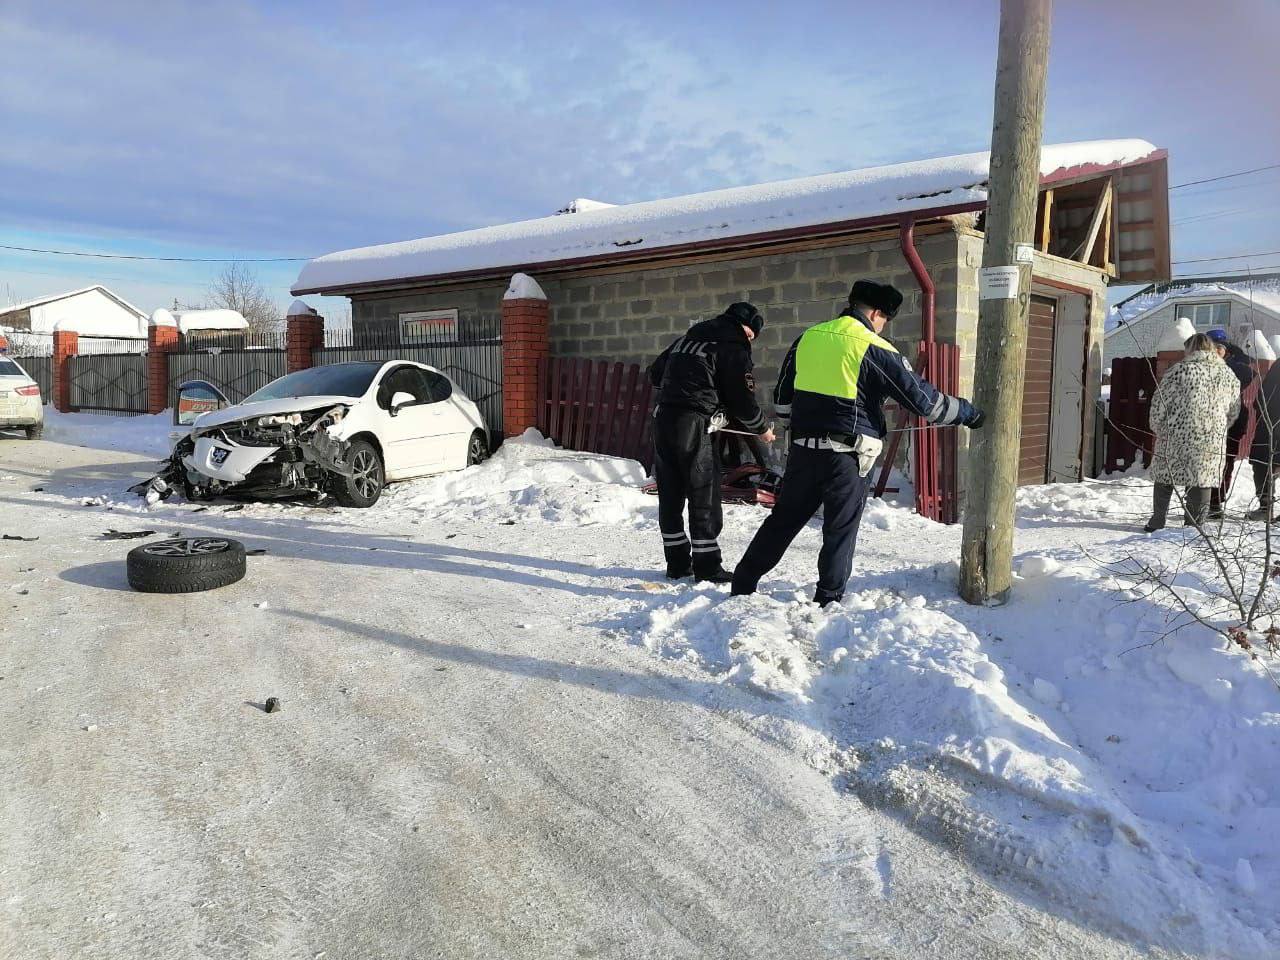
x,y
4,343
1166,359
162,340
304,332
66,344
526,339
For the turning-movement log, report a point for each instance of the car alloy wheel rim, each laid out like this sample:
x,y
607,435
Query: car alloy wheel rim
x,y
477,450
187,547
366,474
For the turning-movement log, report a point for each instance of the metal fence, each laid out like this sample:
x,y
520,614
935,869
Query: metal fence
x,y
114,346
40,369
249,364
108,382
472,358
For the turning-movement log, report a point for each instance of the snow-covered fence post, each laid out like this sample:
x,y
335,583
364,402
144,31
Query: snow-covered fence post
x,y
66,344
304,332
526,339
162,340
1171,347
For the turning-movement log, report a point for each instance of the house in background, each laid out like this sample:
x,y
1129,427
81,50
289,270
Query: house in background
x,y
1237,305
623,281
91,312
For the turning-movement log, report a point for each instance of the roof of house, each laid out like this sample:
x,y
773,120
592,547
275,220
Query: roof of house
x,y
1263,295
41,301
857,198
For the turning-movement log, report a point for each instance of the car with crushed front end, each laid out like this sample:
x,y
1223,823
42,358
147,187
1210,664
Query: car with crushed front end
x,y
21,406
345,429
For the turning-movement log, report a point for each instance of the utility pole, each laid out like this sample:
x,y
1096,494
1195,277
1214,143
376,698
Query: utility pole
x,y
986,555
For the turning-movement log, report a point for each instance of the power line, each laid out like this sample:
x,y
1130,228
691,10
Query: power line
x,y
1226,176
1238,256
127,256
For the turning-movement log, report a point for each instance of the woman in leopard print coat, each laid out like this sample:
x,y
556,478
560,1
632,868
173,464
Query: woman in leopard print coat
x,y
1193,407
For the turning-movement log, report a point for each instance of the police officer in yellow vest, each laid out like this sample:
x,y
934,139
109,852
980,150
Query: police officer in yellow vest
x,y
833,383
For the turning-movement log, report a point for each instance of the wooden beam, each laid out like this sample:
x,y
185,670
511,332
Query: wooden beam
x,y
1095,224
1045,232
1108,235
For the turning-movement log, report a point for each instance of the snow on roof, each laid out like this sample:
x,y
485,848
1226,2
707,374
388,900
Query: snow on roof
x,y
189,320
948,182
41,301
1263,294
582,205
524,287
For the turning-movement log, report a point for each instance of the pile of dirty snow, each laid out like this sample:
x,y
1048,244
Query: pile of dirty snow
x,y
529,478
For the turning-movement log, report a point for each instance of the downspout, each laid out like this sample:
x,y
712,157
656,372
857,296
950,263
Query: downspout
x,y
926,466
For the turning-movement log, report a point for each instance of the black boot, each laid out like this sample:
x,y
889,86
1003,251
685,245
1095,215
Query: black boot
x,y
678,571
1161,496
716,575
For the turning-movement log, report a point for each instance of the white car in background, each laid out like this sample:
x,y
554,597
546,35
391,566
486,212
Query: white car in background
x,y
345,429
21,406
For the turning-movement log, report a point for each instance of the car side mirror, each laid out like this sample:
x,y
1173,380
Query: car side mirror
x,y
401,398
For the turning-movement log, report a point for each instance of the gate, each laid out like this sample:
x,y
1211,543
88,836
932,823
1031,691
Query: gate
x,y
470,355
596,406
243,367
39,369
1128,431
108,382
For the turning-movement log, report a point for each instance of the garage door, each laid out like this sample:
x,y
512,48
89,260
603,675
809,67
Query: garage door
x,y
1037,392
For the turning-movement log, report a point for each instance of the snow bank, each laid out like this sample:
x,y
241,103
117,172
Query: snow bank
x,y
718,214
529,478
147,435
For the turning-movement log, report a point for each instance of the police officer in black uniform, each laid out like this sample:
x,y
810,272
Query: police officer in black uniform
x,y
702,377
832,385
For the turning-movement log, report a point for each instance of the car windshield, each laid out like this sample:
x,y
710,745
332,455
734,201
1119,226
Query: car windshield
x,y
10,369
335,380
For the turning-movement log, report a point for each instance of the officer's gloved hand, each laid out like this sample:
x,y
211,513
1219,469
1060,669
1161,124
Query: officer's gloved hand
x,y
977,420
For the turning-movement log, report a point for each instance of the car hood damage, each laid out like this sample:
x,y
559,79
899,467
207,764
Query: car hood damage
x,y
273,449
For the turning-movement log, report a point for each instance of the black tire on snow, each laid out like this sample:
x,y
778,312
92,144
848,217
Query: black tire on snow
x,y
186,565
35,432
477,449
365,487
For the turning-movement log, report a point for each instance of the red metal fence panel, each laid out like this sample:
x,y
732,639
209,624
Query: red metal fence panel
x,y
596,406
1128,428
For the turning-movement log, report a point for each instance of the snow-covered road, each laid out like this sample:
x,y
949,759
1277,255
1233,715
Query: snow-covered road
x,y
479,754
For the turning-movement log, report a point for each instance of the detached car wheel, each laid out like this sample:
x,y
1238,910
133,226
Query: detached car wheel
x,y
364,486
186,565
477,449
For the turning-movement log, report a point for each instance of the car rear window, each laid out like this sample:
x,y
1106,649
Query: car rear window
x,y
10,369
335,380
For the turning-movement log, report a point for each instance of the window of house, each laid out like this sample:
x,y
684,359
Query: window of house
x,y
429,326
1206,316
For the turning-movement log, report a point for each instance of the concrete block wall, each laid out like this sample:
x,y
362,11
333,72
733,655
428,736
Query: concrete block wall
x,y
479,308
633,315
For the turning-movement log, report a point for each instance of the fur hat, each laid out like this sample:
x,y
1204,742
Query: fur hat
x,y
878,296
747,315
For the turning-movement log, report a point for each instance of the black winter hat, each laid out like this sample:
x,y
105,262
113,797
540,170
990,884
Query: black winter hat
x,y
878,296
747,315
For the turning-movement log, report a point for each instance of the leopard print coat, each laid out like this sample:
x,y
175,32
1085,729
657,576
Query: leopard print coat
x,y
1192,409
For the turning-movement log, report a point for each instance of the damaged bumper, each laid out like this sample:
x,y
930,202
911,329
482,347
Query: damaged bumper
x,y
270,456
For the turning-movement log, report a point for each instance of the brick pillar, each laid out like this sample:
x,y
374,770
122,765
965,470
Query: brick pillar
x,y
66,344
162,340
304,332
1166,359
526,339
4,343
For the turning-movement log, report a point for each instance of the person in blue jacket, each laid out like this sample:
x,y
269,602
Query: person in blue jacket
x,y
833,384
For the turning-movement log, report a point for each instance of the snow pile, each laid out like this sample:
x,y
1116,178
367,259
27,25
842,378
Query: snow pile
x,y
1125,498
147,434
1175,337
524,287
1258,347
1150,777
529,478
740,211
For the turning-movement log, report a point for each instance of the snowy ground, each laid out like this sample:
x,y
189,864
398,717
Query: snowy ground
x,y
504,734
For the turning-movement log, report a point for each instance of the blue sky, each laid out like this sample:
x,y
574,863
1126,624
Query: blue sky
x,y
236,129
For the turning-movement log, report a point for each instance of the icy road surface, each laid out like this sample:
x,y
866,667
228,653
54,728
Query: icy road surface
x,y
479,753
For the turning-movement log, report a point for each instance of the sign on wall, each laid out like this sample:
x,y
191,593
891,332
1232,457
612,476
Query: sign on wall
x,y
429,326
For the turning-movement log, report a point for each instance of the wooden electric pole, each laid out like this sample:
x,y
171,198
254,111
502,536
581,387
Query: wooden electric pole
x,y
986,556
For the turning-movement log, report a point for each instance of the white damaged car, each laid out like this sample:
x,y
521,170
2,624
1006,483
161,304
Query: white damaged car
x,y
346,429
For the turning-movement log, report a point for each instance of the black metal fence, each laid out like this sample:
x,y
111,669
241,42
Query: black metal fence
x,y
108,382
40,369
470,356
237,367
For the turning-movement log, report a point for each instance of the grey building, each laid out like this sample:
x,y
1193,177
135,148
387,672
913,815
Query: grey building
x,y
623,281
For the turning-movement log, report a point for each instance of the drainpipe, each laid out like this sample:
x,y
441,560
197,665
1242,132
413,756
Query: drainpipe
x,y
907,241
